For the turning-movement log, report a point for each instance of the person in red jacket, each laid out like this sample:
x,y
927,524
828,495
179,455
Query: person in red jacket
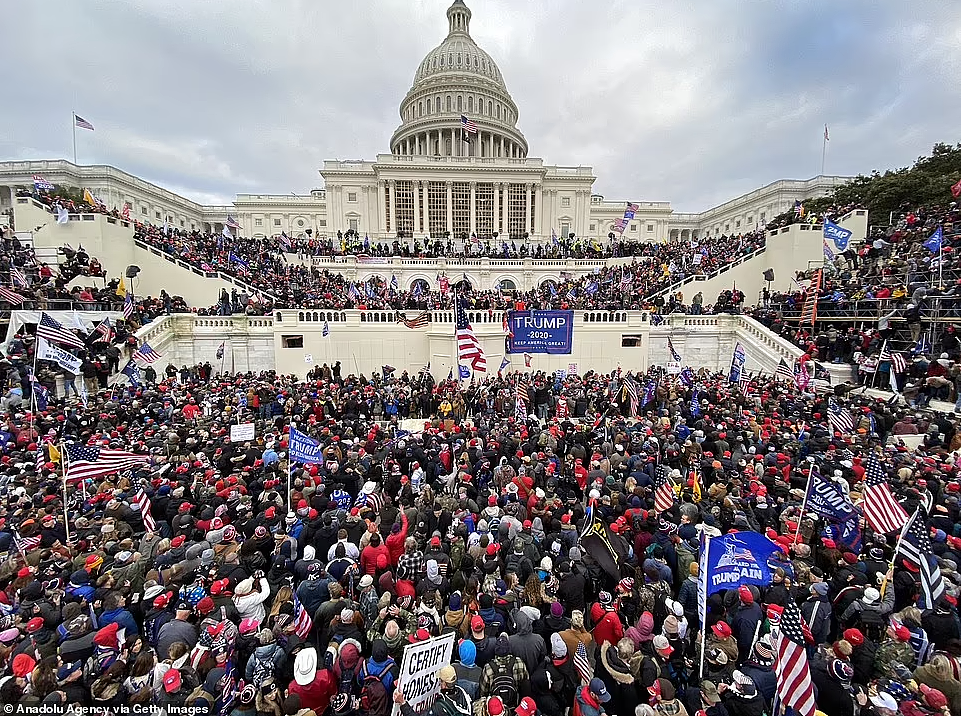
x,y
374,549
608,629
314,686
396,538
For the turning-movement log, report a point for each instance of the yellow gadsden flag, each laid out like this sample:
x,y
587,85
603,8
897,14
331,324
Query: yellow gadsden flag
x,y
53,452
88,197
122,288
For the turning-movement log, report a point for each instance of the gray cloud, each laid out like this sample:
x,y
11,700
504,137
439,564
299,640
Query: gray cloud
x,y
691,101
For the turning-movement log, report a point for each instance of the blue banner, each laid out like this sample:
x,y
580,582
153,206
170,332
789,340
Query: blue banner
x,y
541,332
838,234
304,449
826,498
736,559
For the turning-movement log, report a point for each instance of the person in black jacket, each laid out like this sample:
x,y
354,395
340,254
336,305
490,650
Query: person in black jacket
x,y
832,684
741,697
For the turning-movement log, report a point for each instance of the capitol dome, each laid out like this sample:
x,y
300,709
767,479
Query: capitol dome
x,y
457,78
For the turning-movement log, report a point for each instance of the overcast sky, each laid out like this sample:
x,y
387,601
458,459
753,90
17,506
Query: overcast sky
x,y
690,102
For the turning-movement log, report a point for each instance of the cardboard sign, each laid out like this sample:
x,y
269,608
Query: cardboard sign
x,y
418,670
241,433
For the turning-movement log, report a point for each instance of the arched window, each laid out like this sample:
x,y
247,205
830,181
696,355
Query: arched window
x,y
470,105
428,105
460,103
459,59
490,108
508,285
437,104
448,103
420,109
498,111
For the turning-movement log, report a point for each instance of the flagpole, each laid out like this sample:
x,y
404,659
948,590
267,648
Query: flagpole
x,y
897,549
706,547
73,126
66,515
824,146
804,502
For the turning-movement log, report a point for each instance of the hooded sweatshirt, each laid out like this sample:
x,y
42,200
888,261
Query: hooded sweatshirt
x,y
525,644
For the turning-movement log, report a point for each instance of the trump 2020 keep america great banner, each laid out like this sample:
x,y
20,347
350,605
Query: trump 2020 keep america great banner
x,y
540,331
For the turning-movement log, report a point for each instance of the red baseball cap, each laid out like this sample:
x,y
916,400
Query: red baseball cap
x,y
526,707
171,680
495,707
721,630
476,623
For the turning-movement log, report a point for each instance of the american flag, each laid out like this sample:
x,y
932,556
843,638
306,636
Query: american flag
x,y
81,122
915,546
91,461
11,296
125,214
372,500
353,293
620,225
18,278
50,329
582,663
631,209
784,371
793,674
898,363
631,387
25,544
469,125
840,418
232,222
468,347
626,280
103,331
141,503
393,282
675,356
881,510
146,354
664,492
128,306
285,241
885,353
418,321
41,184
302,621
522,392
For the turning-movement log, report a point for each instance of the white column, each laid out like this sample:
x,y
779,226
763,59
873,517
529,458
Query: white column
x,y
415,186
473,207
453,143
538,210
391,197
496,206
426,199
502,147
527,209
450,207
505,213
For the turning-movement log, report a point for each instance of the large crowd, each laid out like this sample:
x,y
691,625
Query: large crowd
x,y
554,524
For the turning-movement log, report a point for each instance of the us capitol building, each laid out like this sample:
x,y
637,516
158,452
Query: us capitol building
x,y
433,182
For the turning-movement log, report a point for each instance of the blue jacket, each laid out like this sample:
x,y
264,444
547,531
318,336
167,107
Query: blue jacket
x,y
122,617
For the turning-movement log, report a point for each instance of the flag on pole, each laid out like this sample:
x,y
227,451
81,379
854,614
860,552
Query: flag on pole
x,y
92,461
88,198
468,347
232,222
675,356
418,321
793,674
469,125
527,360
915,546
220,350
63,216
956,189
128,306
125,214
17,277
664,491
50,329
840,418
146,354
81,122
630,386
326,331
738,359
41,184
784,372
881,510
11,296
826,498
504,363
826,137
132,371
302,622
933,244
141,503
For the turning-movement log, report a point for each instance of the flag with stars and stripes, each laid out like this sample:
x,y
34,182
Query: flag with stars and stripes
x,y
18,277
468,347
675,356
794,686
840,418
419,321
25,544
353,293
664,491
522,392
141,503
50,329
582,664
326,330
915,546
469,125
881,509
394,285
146,354
103,331
92,461
898,363
784,372
302,621
11,297
631,387
128,306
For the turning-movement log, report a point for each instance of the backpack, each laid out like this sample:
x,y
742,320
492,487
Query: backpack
x,y
503,684
374,699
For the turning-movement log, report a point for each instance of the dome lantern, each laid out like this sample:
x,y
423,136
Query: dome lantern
x,y
458,15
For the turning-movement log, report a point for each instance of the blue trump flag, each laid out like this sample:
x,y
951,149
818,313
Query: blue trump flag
x,y
304,449
846,533
463,372
739,558
826,498
933,244
132,371
838,234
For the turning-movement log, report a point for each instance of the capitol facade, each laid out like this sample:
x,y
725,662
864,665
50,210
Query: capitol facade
x,y
438,181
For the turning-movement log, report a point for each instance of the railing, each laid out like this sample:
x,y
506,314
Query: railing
x,y
713,274
870,310
240,283
441,264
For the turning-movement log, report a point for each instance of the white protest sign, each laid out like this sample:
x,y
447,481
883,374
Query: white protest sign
x,y
309,358
241,433
418,670
66,360
572,368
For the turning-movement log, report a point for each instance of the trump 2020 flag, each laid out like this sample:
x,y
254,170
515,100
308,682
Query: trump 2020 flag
x,y
736,559
304,449
738,359
933,244
838,234
827,499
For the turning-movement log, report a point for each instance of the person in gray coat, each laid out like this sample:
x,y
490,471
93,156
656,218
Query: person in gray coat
x,y
524,643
